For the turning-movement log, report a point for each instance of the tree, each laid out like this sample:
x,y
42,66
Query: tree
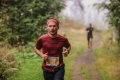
x,y
113,16
24,19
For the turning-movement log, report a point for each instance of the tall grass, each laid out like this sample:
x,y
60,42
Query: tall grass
x,y
85,72
108,61
7,64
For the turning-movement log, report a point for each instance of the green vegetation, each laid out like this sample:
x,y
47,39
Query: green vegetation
x,y
8,64
84,71
113,16
109,52
23,20
29,67
108,58
28,64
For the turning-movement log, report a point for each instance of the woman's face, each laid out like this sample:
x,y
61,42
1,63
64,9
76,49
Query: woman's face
x,y
52,28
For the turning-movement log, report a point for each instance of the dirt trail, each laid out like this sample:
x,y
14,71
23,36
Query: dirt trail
x,y
88,60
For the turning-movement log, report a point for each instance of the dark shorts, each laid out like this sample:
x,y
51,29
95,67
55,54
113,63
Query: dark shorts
x,y
57,74
88,37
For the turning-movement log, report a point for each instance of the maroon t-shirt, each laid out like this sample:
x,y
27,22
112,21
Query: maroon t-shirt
x,y
54,47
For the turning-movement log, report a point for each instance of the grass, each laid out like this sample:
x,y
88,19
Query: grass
x,y
29,67
85,73
7,63
108,58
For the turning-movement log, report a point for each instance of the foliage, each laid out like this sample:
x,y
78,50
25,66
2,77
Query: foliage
x,y
7,66
23,20
6,70
107,55
113,16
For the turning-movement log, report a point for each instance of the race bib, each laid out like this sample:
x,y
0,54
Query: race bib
x,y
52,61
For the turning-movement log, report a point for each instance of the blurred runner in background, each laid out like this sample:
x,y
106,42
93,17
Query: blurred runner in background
x,y
89,35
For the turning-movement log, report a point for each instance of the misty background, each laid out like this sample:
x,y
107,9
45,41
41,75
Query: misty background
x,y
84,12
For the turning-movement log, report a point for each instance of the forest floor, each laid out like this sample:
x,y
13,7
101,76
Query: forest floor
x,y
87,60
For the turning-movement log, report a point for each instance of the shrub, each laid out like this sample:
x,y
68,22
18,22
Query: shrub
x,y
7,65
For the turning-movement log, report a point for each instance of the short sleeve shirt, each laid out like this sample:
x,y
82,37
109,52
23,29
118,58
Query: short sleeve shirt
x,y
54,47
90,29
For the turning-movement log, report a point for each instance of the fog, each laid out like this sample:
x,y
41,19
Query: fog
x,y
83,12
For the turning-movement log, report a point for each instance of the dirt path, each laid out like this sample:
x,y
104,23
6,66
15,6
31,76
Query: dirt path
x,y
88,60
